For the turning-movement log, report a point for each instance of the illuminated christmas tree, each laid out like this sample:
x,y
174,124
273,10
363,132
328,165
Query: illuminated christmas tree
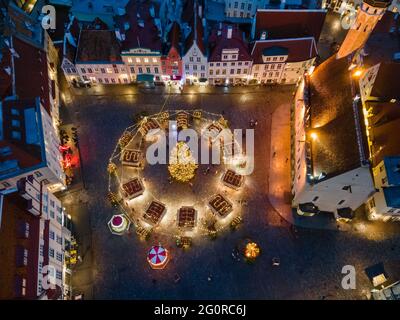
x,y
182,165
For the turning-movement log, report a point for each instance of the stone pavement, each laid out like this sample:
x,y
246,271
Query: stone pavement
x,y
279,179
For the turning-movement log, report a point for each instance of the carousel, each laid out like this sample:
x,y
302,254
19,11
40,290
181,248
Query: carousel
x,y
157,257
182,197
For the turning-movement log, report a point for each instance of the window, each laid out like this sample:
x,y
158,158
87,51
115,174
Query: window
x,y
16,135
25,257
140,70
242,6
106,80
154,60
103,70
155,69
59,256
195,67
90,70
15,123
236,5
51,234
112,80
148,70
138,60
186,67
146,60
191,59
59,275
51,252
52,214
384,180
132,70
232,71
211,72
83,70
100,80
198,59
381,168
341,202
14,112
59,240
6,184
249,7
203,67
41,250
238,71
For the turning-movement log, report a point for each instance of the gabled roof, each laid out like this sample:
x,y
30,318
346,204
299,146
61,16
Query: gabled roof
x,y
300,49
139,27
218,41
197,33
31,73
98,46
281,24
336,148
387,85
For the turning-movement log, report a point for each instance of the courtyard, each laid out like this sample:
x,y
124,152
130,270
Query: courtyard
x,y
115,267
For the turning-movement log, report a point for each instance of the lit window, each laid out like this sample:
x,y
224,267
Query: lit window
x,y
129,60
137,60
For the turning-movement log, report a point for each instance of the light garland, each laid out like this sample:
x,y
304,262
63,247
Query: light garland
x,y
183,166
131,133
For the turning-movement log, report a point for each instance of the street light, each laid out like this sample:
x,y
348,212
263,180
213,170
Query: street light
x,y
357,73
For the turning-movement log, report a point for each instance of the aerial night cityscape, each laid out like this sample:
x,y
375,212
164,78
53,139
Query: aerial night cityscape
x,y
199,150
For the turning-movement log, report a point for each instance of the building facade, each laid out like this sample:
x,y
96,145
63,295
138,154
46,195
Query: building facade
x,y
282,61
171,61
243,8
141,47
194,60
230,61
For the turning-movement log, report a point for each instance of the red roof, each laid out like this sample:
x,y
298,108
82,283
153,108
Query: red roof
x,y
141,32
31,73
218,41
300,49
174,35
281,24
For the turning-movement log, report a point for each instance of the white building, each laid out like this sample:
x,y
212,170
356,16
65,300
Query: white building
x,y
194,59
31,149
54,237
282,61
98,58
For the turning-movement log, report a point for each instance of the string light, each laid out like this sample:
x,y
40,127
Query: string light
x,y
183,172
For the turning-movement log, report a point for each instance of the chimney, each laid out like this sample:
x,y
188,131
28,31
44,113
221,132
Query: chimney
x,y
229,33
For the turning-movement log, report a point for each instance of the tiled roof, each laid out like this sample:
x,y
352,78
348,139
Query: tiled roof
x,y
218,42
281,24
31,73
300,49
335,150
384,124
98,46
387,84
141,30
384,41
197,33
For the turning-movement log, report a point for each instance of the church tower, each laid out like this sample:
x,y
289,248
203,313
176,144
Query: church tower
x,y
368,15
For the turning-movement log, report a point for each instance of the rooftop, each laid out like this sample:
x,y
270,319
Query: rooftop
x,y
384,125
139,26
392,196
31,73
386,85
282,24
335,150
219,41
384,40
20,143
98,46
301,49
392,165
